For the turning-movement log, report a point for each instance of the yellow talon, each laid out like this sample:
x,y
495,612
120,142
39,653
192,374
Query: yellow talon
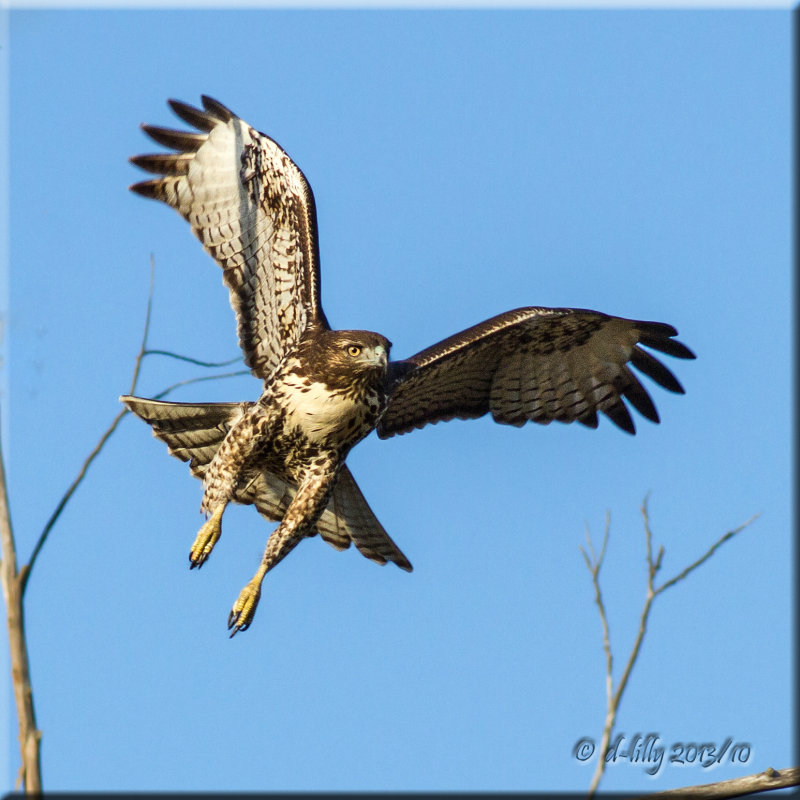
x,y
206,538
244,608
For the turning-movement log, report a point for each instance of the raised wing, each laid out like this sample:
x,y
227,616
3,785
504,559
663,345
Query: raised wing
x,y
538,364
253,211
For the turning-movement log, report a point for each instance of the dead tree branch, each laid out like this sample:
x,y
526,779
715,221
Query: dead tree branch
x,y
13,584
15,581
765,781
594,563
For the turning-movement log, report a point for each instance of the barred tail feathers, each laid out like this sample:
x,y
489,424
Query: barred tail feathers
x,y
193,432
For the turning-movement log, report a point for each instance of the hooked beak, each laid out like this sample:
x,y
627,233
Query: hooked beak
x,y
381,357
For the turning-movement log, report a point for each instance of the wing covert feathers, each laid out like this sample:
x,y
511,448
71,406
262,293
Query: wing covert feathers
x,y
253,211
536,364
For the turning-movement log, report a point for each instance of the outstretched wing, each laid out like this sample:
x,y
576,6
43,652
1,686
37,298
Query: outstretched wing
x,y
538,364
253,210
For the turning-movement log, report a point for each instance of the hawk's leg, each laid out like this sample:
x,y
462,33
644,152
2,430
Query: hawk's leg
x,y
207,537
239,446
299,521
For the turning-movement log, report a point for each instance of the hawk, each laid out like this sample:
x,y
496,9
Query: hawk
x,y
325,390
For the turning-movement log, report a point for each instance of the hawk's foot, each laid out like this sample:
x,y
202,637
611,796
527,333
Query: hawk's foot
x,y
206,538
244,609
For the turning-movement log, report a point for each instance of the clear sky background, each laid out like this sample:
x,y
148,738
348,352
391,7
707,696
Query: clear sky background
x,y
464,163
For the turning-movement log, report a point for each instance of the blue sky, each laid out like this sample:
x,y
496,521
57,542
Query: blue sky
x,y
464,163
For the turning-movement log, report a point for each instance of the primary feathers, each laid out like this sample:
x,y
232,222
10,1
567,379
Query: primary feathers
x,y
324,391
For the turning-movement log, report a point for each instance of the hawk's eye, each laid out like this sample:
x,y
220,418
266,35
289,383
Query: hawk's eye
x,y
354,350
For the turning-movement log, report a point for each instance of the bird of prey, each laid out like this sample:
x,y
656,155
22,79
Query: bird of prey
x,y
325,390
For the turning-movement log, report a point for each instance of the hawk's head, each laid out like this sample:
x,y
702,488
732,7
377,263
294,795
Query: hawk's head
x,y
342,358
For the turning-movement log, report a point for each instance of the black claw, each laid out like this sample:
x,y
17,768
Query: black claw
x,y
233,622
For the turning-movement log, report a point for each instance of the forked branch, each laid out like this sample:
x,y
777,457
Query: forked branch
x,y
15,581
594,563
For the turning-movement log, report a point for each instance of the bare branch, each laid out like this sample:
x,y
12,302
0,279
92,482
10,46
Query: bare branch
x,y
25,572
594,568
765,781
653,566
192,360
710,552
145,333
178,385
14,582
29,735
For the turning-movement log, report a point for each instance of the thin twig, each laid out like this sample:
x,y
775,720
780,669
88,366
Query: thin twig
x,y
202,378
145,333
25,572
594,568
14,582
192,360
710,552
653,566
143,351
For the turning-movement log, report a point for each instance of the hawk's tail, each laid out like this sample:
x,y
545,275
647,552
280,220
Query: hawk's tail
x,y
193,432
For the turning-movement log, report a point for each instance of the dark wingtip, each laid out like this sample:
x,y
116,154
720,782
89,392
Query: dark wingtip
x,y
145,188
659,336
216,108
654,369
201,120
621,417
183,141
681,350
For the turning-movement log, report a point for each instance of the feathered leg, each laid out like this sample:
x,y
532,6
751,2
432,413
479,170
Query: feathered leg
x,y
299,521
242,441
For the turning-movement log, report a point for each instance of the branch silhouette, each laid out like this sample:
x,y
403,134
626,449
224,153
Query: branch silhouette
x,y
15,581
14,584
594,563
766,781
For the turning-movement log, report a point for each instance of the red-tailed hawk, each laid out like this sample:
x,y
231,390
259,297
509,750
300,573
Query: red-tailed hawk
x,y
325,390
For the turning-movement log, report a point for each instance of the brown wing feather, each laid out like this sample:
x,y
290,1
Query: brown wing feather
x,y
348,514
347,517
253,210
535,364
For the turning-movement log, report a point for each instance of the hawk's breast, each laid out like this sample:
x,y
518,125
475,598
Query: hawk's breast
x,y
327,416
